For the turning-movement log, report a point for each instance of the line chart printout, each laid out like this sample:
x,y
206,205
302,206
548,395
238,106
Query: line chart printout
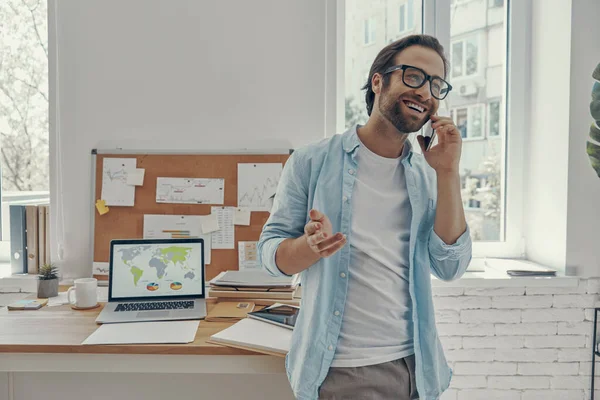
x,y
257,183
190,190
115,190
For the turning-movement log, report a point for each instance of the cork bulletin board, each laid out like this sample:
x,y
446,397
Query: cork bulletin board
x,y
127,222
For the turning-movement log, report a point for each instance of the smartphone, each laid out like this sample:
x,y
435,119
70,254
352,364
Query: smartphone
x,y
429,132
429,135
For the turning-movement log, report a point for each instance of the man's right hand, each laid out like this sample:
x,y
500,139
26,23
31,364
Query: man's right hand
x,y
320,237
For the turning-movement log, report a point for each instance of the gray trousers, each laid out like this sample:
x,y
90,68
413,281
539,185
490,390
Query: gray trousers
x,y
391,380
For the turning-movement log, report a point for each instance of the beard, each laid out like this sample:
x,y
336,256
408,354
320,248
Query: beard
x,y
405,122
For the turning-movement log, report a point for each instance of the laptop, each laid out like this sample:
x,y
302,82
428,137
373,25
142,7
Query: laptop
x,y
155,280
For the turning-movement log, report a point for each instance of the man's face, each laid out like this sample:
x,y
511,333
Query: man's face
x,y
400,104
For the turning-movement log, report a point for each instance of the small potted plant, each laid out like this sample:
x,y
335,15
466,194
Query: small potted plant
x,y
48,281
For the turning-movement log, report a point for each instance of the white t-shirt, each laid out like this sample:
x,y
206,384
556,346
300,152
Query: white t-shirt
x,y
377,322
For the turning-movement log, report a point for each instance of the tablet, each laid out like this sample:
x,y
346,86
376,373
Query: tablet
x,y
282,315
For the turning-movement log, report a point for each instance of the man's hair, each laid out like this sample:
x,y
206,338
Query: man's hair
x,y
386,56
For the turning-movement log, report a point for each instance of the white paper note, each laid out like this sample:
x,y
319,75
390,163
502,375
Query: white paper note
x,y
100,268
190,190
144,332
223,238
177,227
136,177
241,216
115,190
256,183
210,224
247,255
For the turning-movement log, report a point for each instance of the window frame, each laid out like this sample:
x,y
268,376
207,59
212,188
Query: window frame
x,y
407,20
463,40
469,108
516,105
370,23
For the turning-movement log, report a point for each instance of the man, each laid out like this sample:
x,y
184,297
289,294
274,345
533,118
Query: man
x,y
365,220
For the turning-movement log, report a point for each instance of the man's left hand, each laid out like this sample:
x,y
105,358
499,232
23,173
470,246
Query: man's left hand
x,y
444,157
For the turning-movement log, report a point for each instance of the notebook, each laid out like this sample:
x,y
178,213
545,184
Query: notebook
x,y
229,311
34,304
255,335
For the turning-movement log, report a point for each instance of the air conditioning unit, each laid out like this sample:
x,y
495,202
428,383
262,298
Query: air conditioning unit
x,y
467,89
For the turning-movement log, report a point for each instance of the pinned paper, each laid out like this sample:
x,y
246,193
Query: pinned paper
x,y
247,255
101,207
136,177
224,237
115,190
210,223
241,216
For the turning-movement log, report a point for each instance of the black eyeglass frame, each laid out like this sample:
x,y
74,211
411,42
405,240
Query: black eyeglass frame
x,y
428,77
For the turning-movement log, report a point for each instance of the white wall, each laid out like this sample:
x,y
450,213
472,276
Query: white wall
x,y
175,75
548,141
518,343
563,191
583,246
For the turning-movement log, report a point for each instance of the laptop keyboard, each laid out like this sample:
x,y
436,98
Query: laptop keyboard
x,y
156,305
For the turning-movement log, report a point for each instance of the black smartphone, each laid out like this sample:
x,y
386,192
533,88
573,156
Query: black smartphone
x,y
428,136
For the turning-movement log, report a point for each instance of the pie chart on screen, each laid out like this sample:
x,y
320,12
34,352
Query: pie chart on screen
x,y
152,286
176,285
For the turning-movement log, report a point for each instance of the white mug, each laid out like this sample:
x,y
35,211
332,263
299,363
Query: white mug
x,y
86,293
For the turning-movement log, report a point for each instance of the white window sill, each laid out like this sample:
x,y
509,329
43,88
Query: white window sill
x,y
496,276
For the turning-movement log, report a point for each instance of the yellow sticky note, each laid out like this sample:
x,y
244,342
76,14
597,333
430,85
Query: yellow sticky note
x,y
101,207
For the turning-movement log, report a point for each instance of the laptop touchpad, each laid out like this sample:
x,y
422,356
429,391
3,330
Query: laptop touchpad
x,y
152,314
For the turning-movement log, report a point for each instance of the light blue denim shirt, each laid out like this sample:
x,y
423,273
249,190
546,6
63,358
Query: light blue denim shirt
x,y
322,176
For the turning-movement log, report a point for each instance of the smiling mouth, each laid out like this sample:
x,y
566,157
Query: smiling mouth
x,y
414,106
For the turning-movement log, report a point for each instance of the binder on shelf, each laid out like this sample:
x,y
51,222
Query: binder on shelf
x,y
47,236
31,225
18,239
41,236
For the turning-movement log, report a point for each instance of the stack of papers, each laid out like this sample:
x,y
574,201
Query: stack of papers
x,y
258,278
252,285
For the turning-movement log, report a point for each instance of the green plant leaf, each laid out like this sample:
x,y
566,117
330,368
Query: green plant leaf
x,y
595,133
596,165
596,73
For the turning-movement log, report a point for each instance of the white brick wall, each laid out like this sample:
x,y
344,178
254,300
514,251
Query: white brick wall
x,y
518,343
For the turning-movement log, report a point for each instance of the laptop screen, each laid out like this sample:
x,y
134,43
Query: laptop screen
x,y
156,268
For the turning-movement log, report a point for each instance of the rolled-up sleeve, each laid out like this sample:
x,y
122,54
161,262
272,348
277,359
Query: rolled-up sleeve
x,y
289,212
450,261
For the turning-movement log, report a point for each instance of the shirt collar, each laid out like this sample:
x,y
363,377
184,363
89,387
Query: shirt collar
x,y
351,142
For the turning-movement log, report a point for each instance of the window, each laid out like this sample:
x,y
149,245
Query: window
x,y
494,118
465,57
23,109
477,44
469,121
369,29
402,21
406,15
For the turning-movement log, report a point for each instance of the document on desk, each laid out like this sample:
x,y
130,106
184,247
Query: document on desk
x,y
144,333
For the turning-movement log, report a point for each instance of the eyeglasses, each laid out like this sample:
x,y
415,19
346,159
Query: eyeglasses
x,y
414,77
